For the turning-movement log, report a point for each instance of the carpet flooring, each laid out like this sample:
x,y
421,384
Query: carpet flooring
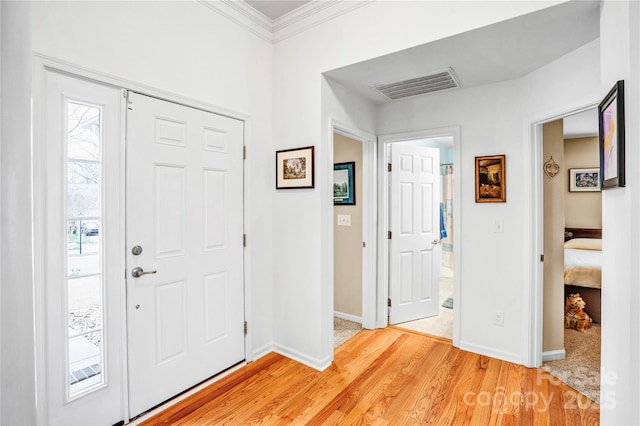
x,y
581,367
343,330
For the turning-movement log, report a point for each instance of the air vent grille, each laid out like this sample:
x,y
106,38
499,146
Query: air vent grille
x,y
435,82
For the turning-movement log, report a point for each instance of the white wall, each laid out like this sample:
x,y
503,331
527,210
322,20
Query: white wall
x,y
492,119
620,55
17,369
301,223
490,268
180,47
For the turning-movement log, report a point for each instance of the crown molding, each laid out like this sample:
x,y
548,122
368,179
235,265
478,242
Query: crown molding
x,y
244,15
301,19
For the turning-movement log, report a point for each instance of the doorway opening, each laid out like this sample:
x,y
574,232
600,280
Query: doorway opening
x,y
441,323
442,238
572,250
354,230
347,237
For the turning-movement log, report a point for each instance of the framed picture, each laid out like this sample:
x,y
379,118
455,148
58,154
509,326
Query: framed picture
x,y
611,124
491,179
294,168
344,184
584,180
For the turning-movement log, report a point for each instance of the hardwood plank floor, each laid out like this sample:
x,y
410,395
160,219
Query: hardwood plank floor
x,y
386,377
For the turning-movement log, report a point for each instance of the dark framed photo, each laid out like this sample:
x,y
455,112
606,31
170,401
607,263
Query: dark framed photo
x,y
584,180
611,125
344,184
491,179
294,168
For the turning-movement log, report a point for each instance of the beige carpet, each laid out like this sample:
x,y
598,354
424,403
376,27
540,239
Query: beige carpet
x,y
343,330
581,368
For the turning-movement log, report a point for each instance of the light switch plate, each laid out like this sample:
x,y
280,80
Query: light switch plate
x,y
344,220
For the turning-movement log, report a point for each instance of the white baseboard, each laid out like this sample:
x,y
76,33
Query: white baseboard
x,y
553,355
260,352
493,353
317,364
347,317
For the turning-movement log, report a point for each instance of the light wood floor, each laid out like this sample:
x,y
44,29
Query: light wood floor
x,y
386,377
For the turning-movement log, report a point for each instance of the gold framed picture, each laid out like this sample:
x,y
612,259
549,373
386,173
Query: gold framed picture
x,y
491,179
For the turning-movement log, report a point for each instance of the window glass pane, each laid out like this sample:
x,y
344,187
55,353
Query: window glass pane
x,y
85,368
83,189
85,304
83,132
83,247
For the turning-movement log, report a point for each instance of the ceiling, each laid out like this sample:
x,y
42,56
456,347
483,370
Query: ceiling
x,y
503,51
581,125
275,9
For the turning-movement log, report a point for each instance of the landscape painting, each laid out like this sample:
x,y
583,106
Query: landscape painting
x,y
294,168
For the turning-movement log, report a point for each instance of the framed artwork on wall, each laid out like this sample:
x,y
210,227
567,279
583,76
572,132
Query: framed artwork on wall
x,y
294,168
491,179
344,184
611,133
584,180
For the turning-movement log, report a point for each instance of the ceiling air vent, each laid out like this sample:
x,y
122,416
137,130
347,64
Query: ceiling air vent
x,y
435,82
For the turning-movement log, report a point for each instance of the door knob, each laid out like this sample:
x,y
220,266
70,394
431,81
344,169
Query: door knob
x,y
435,242
138,272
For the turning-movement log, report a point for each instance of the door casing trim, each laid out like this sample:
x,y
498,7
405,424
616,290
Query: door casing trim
x,y
532,294
383,219
369,217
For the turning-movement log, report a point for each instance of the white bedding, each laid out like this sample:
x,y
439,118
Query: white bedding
x,y
583,267
584,258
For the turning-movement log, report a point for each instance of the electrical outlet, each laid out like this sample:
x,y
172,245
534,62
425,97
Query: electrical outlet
x,y
498,318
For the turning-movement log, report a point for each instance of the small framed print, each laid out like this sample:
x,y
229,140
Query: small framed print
x,y
344,184
294,168
491,179
584,180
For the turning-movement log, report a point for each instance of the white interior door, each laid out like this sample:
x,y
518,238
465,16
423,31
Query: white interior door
x,y
83,262
414,248
184,226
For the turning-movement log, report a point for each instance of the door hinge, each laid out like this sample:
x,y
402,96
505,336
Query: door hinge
x,y
542,258
244,152
246,327
389,302
364,244
129,99
388,235
244,240
389,167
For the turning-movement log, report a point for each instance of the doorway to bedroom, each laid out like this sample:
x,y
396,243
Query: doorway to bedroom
x,y
572,251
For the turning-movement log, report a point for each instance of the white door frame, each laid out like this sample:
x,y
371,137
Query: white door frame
x,y
42,65
383,220
369,218
532,296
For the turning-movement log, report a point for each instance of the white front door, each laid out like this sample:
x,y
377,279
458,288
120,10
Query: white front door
x,y
414,248
80,210
184,229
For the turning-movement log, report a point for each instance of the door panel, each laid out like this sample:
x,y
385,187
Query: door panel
x,y
184,209
414,250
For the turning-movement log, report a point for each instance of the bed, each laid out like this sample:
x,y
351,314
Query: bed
x,y
583,267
